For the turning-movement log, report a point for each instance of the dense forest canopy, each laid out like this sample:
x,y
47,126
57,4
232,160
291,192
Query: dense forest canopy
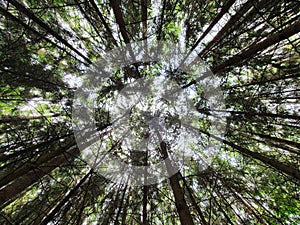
x,y
251,47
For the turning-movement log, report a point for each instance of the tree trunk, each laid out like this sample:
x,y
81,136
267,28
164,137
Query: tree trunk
x,y
236,17
42,145
161,22
32,16
257,47
51,215
223,11
120,206
276,139
11,191
108,30
28,166
190,191
115,4
259,156
13,119
27,27
144,5
181,205
249,113
264,81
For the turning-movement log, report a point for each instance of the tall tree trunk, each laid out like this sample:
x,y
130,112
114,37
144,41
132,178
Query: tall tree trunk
x,y
264,81
161,22
41,145
13,119
27,27
145,190
231,22
120,206
115,4
37,20
144,5
237,196
11,191
221,208
249,113
181,205
47,208
124,214
223,11
28,166
190,191
108,30
276,139
247,53
259,156
86,15
51,215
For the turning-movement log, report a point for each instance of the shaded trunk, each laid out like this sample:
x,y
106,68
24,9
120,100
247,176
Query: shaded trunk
x,y
108,30
115,4
223,11
42,145
37,20
120,206
276,139
124,214
161,23
237,197
264,81
87,17
259,156
45,211
231,22
28,166
13,119
58,207
190,191
144,4
180,202
249,113
27,27
12,190
252,50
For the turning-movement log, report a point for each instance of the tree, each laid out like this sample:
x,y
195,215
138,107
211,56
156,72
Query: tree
x,y
252,47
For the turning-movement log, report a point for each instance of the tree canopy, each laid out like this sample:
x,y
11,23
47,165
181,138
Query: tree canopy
x,y
251,47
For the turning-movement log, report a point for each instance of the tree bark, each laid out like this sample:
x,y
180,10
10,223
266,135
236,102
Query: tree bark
x,y
37,20
51,215
257,47
223,11
236,17
259,156
190,191
28,166
181,205
11,191
108,30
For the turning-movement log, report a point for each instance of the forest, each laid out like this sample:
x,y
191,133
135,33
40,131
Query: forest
x,y
150,112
